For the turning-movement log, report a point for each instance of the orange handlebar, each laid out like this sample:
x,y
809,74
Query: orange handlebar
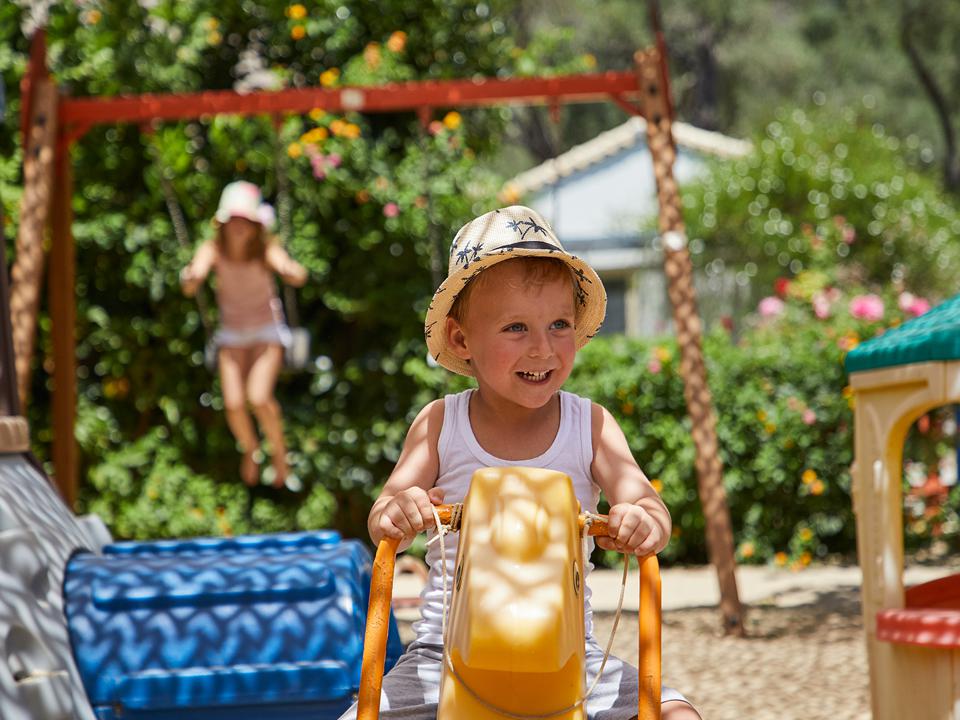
x,y
375,637
378,623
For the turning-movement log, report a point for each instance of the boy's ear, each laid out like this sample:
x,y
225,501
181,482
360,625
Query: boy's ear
x,y
456,339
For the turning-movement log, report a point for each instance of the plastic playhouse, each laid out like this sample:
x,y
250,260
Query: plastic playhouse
x,y
913,634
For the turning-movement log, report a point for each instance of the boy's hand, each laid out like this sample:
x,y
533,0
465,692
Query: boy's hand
x,y
632,530
409,512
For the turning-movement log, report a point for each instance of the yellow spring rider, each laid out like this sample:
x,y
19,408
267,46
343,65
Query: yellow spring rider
x,y
514,643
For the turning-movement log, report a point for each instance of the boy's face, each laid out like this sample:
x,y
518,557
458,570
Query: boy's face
x,y
518,335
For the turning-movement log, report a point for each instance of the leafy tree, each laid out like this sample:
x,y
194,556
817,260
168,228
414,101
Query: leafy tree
x,y
820,189
373,199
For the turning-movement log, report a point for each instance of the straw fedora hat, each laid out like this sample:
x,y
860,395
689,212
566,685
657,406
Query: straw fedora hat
x,y
511,232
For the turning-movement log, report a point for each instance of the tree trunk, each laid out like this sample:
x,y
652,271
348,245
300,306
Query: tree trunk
x,y
951,160
651,70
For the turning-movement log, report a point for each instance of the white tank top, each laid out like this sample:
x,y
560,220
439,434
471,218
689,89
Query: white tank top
x,y
460,455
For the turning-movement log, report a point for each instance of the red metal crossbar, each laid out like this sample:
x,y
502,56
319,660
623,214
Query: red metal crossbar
x,y
81,113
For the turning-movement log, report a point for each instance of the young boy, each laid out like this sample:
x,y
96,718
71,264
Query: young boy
x,y
512,313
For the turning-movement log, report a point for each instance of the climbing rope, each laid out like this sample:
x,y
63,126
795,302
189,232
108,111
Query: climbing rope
x,y
454,526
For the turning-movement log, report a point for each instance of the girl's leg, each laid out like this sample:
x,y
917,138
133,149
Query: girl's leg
x,y
266,363
233,362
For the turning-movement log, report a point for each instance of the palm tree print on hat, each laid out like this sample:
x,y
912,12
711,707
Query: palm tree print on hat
x,y
581,275
463,256
530,224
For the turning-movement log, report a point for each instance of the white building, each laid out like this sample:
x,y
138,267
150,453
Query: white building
x,y
601,199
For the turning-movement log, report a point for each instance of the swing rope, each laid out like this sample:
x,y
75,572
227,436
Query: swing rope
x,y
284,217
177,219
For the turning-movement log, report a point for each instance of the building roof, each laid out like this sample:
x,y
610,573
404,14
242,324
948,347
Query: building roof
x,y
934,336
614,141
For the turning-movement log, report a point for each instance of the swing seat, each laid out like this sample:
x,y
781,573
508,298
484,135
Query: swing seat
x,y
296,355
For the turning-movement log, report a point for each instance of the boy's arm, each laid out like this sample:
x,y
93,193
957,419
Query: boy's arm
x,y
196,271
639,520
403,508
290,271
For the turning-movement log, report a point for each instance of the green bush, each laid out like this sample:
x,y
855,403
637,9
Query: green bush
x,y
784,424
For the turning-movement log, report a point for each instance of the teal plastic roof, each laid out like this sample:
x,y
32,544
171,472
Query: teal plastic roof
x,y
933,336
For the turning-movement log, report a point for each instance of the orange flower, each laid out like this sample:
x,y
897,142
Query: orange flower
x,y
297,32
317,114
806,534
805,559
294,150
817,488
397,41
214,38
362,196
780,559
809,476
315,136
328,78
212,24
657,484
296,12
747,550
371,54
627,408
452,120
351,131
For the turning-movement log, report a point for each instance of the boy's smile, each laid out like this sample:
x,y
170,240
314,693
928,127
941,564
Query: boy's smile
x,y
518,334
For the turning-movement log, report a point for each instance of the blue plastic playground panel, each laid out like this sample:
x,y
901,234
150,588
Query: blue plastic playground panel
x,y
268,626
278,542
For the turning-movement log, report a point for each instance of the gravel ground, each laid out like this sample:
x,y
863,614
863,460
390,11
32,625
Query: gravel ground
x,y
806,662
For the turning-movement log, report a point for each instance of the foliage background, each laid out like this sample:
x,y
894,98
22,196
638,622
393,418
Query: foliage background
x,y
843,197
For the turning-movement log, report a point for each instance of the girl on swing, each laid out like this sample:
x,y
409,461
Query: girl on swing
x,y
252,334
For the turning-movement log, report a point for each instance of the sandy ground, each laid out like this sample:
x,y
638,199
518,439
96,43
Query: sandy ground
x,y
804,657
806,662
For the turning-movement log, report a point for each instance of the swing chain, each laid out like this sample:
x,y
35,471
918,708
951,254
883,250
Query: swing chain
x,y
177,219
284,218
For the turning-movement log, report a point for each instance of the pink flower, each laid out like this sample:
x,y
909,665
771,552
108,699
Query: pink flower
x,y
823,302
654,366
770,306
919,307
913,305
849,234
867,307
821,306
391,209
809,417
334,160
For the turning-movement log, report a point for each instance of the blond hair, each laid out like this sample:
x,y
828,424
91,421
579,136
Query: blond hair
x,y
536,271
